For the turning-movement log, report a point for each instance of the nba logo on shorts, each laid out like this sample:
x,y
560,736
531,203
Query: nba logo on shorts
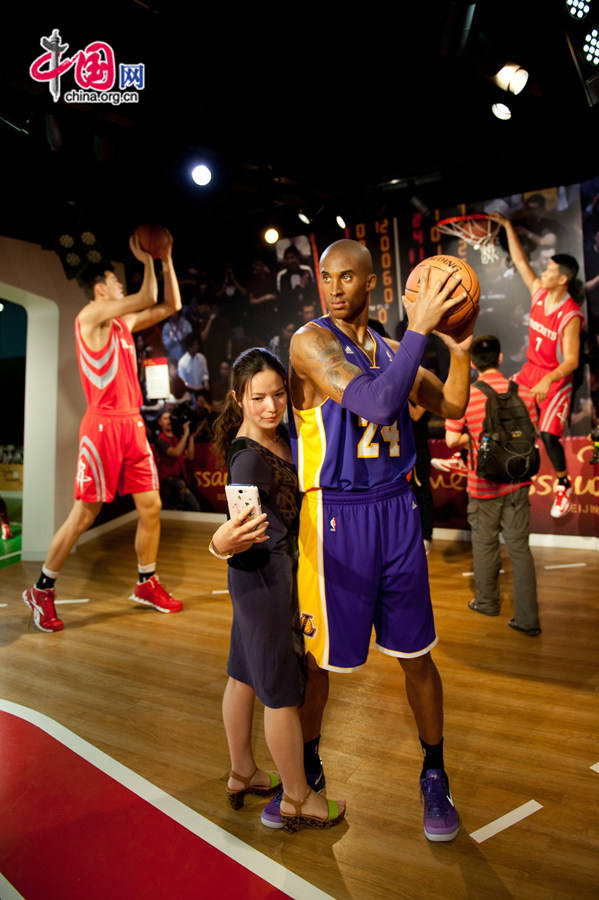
x,y
333,524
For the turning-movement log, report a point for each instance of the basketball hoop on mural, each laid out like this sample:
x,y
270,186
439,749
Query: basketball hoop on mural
x,y
477,229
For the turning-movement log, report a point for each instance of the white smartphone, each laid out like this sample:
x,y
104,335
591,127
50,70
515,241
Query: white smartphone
x,y
240,496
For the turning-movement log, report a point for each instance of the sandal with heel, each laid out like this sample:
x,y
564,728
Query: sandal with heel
x,y
292,821
236,798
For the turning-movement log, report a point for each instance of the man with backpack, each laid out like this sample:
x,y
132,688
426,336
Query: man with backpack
x,y
499,435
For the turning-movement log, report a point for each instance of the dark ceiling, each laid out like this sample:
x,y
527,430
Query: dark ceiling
x,y
294,107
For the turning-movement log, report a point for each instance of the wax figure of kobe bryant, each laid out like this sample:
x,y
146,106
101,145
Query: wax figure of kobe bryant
x,y
362,560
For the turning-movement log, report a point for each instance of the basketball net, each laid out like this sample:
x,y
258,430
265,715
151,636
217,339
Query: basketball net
x,y
479,233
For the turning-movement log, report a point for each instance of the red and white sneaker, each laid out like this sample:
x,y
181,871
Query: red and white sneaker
x,y
6,532
453,463
562,502
41,604
151,593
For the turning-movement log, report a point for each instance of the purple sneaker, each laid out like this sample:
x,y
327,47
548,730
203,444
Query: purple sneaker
x,y
441,821
271,814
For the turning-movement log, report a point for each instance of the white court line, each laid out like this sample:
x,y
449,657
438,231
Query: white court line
x,y
8,555
81,600
503,822
472,573
258,863
566,566
595,768
3,604
8,891
219,592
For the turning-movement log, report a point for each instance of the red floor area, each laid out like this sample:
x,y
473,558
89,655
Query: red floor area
x,y
68,830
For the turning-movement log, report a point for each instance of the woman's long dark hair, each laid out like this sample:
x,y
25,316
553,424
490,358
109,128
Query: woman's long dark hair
x,y
247,364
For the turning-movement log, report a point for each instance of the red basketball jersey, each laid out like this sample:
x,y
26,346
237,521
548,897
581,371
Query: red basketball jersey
x,y
109,376
546,329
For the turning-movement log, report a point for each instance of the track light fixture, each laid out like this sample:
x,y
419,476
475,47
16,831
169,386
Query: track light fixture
x,y
511,77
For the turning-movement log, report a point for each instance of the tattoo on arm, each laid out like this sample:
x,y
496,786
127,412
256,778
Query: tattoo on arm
x,y
326,365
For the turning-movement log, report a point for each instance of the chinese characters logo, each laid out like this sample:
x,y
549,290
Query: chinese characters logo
x,y
94,70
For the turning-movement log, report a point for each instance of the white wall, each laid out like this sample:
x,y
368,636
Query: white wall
x,y
54,400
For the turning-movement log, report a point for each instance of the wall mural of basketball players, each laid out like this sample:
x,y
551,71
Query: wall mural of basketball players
x,y
547,222
283,293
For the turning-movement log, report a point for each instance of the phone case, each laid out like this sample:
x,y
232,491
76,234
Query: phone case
x,y
240,496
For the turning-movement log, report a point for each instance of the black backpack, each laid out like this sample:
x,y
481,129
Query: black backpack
x,y
507,451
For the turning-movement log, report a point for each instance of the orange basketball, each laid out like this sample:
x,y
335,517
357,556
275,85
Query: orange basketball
x,y
457,319
154,239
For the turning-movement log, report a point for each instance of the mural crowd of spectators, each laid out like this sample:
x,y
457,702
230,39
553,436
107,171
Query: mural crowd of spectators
x,y
223,314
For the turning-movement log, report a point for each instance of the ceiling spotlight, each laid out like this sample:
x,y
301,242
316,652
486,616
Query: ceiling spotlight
x,y
394,184
271,235
304,217
201,174
578,9
591,47
340,222
501,111
511,77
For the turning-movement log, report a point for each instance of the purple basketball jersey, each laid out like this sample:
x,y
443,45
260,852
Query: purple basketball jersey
x,y
336,449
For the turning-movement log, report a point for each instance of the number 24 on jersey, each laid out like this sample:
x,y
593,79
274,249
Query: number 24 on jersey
x,y
369,443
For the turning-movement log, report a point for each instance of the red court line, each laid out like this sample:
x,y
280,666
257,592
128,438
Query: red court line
x,y
69,830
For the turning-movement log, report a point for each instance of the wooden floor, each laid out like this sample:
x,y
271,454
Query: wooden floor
x,y
522,720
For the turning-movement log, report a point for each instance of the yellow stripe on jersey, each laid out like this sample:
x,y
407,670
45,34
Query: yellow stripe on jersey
x,y
311,446
310,579
374,343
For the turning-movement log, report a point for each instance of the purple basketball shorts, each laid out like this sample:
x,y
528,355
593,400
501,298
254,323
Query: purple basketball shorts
x,y
362,563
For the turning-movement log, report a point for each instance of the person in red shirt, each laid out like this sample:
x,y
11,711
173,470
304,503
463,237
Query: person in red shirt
x,y
553,350
494,507
114,453
171,453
